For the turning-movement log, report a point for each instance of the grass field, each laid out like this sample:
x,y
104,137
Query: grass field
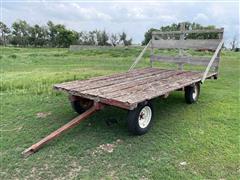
x,y
199,141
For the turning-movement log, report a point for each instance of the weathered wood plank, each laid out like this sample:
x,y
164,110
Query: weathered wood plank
x,y
189,31
212,60
110,82
126,85
127,94
202,61
159,89
139,57
154,85
209,44
78,83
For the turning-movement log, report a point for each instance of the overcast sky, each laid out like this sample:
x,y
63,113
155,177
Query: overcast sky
x,y
130,16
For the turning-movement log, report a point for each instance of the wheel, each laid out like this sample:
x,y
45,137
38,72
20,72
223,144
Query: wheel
x,y
192,93
80,105
140,119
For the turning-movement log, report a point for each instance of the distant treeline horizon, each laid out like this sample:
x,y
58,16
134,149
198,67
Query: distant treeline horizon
x,y
22,34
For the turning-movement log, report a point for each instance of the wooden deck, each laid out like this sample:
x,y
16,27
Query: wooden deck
x,y
127,89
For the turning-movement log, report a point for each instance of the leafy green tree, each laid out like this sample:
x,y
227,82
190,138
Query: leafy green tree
x,y
114,39
20,33
123,39
56,35
91,38
4,31
148,36
102,38
66,37
38,36
59,36
52,33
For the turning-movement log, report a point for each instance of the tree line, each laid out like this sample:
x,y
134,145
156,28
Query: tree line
x,y
56,35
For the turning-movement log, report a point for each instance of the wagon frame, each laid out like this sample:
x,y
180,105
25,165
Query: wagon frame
x,y
133,90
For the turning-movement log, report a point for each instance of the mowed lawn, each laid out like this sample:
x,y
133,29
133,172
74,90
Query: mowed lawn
x,y
199,141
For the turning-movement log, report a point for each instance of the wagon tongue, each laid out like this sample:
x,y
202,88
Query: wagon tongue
x,y
35,147
28,152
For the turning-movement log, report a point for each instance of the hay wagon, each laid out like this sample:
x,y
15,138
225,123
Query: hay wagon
x,y
134,90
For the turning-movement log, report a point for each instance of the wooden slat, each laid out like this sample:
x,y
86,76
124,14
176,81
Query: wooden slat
x,y
202,61
212,61
156,85
210,44
112,81
132,90
137,82
127,94
78,83
157,89
139,57
188,32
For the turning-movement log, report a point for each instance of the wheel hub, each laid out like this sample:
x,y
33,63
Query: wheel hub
x,y
195,92
145,116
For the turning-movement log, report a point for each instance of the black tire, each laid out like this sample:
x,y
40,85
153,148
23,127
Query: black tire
x,y
134,125
81,105
77,107
192,93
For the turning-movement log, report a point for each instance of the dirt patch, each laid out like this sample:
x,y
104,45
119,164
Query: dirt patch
x,y
109,147
43,114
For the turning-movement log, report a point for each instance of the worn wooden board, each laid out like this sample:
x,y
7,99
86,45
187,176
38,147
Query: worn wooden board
x,y
201,61
210,44
189,31
126,90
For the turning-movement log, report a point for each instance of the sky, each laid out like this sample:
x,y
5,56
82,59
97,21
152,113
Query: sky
x,y
134,17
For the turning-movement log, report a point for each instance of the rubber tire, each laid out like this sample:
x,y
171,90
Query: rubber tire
x,y
189,90
132,119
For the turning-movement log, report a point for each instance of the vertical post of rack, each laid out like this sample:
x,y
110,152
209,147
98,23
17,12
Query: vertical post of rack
x,y
182,29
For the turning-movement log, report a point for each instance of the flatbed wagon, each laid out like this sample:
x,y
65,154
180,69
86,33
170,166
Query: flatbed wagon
x,y
133,90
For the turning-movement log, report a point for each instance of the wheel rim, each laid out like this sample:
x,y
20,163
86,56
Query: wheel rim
x,y
145,116
195,92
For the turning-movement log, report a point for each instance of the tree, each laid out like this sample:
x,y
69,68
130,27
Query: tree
x,y
66,37
234,43
5,31
102,38
38,36
56,35
59,36
148,36
114,39
87,38
92,37
52,33
123,39
20,33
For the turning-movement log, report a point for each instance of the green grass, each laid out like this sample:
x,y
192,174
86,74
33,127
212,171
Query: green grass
x,y
205,135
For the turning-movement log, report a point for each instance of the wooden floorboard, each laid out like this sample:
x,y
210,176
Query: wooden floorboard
x,y
157,89
118,86
129,88
79,83
163,80
112,82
